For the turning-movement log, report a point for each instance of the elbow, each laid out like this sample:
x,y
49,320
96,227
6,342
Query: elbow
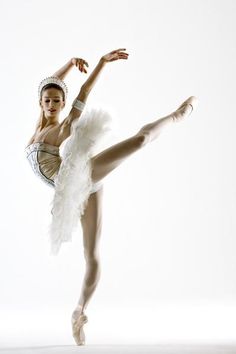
x,y
83,94
85,89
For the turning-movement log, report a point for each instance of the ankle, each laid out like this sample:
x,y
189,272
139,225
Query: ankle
x,y
79,309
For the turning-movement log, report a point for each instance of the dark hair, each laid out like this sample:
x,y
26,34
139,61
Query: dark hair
x,y
52,86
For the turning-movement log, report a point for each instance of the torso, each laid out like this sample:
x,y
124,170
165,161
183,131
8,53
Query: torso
x,y
53,135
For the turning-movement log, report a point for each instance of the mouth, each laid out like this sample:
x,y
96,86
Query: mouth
x,y
52,110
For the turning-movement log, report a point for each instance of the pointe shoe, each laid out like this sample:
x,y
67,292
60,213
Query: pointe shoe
x,y
183,109
77,328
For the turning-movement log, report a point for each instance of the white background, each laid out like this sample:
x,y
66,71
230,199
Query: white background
x,y
168,243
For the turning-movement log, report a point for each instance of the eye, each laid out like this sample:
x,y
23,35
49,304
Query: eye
x,y
54,100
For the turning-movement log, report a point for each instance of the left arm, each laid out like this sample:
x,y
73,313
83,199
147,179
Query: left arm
x,y
62,72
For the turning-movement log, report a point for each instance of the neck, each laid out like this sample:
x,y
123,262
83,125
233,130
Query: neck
x,y
52,120
49,122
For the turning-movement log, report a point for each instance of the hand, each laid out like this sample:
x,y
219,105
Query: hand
x,y
80,63
115,55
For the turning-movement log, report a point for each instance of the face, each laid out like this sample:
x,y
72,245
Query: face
x,y
52,102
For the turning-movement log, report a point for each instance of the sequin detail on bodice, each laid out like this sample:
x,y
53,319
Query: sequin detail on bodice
x,y
45,160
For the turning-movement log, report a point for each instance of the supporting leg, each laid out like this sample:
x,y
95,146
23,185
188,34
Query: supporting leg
x,y
91,222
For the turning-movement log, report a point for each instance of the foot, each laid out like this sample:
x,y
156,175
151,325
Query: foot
x,y
185,109
78,319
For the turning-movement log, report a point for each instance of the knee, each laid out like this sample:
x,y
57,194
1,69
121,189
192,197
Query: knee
x,y
142,137
91,258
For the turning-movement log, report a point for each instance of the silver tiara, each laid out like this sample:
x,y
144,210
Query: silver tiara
x,y
53,80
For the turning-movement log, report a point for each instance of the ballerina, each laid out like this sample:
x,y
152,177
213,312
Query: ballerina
x,y
44,156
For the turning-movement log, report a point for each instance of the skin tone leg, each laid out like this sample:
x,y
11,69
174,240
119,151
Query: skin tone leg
x,y
103,164
107,160
91,222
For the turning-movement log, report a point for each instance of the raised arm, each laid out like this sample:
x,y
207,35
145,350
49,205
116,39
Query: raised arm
x,y
92,79
114,55
62,72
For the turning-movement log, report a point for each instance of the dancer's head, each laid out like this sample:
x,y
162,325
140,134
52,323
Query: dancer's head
x,y
52,97
52,93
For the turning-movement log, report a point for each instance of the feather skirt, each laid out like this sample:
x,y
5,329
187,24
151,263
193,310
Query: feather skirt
x,y
73,183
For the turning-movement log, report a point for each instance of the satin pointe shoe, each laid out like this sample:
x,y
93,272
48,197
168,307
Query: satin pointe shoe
x,y
77,328
185,108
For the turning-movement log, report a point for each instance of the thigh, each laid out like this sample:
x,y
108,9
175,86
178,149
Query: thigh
x,y
107,160
91,222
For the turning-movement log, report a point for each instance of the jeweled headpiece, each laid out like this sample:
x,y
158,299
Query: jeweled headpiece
x,y
53,80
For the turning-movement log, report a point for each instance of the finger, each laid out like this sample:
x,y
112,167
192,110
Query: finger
x,y
77,63
123,55
117,50
84,62
81,65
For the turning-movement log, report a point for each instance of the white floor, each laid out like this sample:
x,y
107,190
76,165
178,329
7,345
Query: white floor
x,y
161,330
123,349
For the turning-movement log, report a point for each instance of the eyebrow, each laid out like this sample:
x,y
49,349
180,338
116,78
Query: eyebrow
x,y
49,97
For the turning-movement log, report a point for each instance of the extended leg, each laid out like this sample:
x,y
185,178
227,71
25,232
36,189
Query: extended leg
x,y
107,160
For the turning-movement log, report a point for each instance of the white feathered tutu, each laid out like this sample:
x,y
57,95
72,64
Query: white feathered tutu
x,y
73,183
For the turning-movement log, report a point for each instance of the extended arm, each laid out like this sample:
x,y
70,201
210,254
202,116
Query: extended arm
x,y
90,82
87,87
62,72
92,79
